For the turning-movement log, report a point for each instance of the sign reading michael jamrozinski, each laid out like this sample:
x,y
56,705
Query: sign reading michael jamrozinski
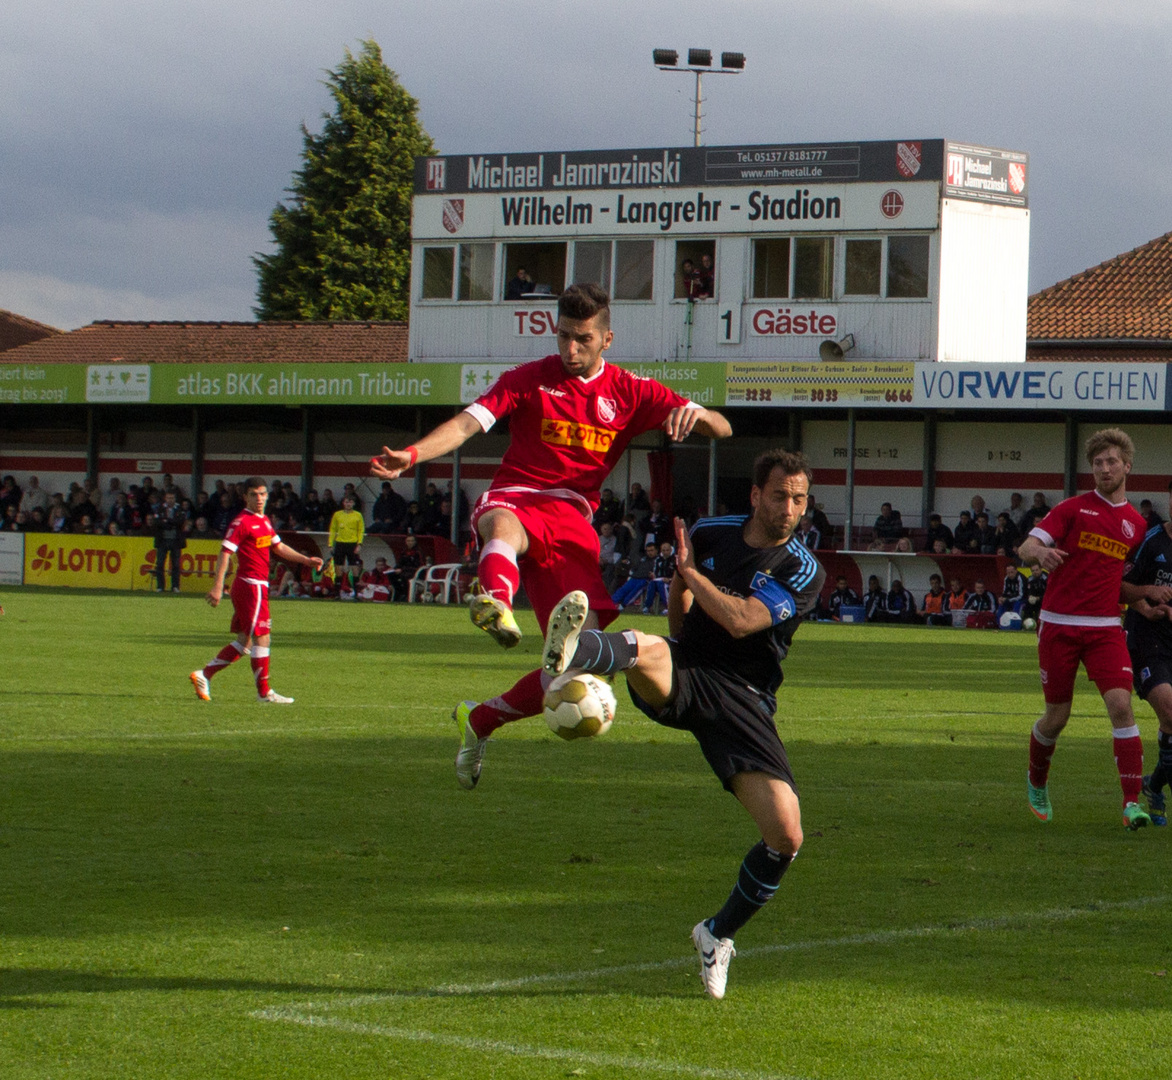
x,y
987,175
814,163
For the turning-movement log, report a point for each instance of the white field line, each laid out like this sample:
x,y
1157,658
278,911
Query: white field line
x,y
620,1063
308,1014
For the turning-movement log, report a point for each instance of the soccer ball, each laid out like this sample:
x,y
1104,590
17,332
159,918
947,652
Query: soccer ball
x,y
582,707
1029,624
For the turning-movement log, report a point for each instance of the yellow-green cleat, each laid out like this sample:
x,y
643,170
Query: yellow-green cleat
x,y
470,756
565,624
1135,816
495,618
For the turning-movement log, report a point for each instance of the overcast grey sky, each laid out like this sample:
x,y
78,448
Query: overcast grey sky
x,y
143,144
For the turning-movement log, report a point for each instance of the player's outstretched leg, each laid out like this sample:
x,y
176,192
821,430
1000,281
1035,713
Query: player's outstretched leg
x,y
565,624
715,955
470,756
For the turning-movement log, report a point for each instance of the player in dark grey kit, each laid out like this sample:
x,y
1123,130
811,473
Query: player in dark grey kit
x,y
741,588
1147,588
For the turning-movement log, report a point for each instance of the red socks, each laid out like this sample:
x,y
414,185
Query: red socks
x,y
260,669
1129,760
498,573
524,699
229,654
1041,751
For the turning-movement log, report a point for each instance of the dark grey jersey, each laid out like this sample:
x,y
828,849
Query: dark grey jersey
x,y
786,578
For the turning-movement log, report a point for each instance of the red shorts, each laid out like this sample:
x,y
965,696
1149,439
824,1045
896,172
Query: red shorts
x,y
562,555
1101,649
250,608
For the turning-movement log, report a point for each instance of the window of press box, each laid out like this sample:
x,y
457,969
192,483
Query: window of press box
x,y
476,271
813,267
771,268
695,252
907,266
545,265
438,272
864,268
632,260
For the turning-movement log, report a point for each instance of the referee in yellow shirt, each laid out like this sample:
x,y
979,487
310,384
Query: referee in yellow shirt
x,y
346,532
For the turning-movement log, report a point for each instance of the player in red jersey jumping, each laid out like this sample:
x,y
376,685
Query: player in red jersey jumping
x,y
572,416
252,538
1085,544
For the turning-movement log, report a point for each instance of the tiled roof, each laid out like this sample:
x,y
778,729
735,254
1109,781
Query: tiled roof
x,y
1127,298
18,330
220,343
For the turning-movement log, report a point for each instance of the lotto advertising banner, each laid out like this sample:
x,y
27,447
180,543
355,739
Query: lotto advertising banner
x,y
113,562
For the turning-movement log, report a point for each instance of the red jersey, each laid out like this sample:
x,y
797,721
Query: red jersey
x,y
1100,539
252,536
567,433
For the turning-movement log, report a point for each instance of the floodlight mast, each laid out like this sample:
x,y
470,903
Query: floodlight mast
x,y
699,61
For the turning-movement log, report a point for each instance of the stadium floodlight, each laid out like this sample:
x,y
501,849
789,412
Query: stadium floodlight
x,y
699,61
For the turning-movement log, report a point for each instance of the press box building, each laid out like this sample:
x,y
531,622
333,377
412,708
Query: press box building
x,y
901,251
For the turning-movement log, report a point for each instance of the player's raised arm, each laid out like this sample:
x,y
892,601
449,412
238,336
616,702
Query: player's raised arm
x,y
284,551
684,419
443,440
740,616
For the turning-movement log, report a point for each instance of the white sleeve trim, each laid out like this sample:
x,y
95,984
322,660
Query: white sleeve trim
x,y
229,545
690,404
1042,535
481,415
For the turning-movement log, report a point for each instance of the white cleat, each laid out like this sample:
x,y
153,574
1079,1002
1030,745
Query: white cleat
x,y
273,698
565,624
715,954
200,681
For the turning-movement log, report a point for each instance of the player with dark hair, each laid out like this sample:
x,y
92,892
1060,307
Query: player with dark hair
x,y
572,416
1085,544
253,540
1147,588
741,589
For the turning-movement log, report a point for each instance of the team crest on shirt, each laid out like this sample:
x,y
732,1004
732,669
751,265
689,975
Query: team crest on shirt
x,y
1128,529
606,409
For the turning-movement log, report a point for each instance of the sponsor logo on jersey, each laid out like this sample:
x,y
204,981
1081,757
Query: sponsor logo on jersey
x,y
569,433
1104,545
709,563
1160,558
1092,513
606,409
264,541
1128,529
553,391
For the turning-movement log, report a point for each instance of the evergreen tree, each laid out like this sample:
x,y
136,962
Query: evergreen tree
x,y
344,238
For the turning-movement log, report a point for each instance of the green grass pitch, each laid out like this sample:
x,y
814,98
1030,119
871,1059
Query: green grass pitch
x,y
236,890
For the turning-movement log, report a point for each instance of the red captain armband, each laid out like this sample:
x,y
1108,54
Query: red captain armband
x,y
413,454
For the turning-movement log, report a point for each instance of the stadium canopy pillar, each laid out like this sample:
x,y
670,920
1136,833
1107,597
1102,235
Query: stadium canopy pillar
x,y
848,524
455,531
929,490
306,451
711,477
92,429
197,451
1070,470
420,470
